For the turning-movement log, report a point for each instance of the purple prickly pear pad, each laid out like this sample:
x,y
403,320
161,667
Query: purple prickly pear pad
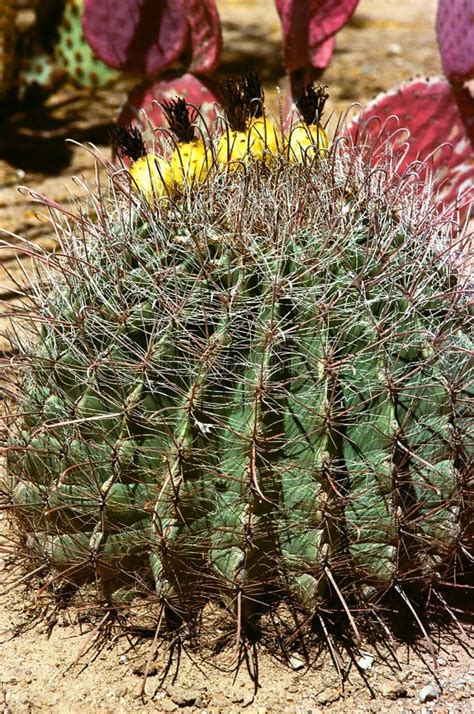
x,y
205,35
139,36
308,25
439,120
455,29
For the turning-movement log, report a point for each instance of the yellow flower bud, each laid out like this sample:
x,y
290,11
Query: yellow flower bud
x,y
267,133
305,142
235,147
190,163
151,176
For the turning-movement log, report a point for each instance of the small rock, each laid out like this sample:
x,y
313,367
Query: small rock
x,y
366,661
428,693
297,662
123,659
394,690
394,49
140,669
442,661
183,697
328,695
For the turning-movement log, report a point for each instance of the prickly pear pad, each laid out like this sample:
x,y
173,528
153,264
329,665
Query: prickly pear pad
x,y
255,392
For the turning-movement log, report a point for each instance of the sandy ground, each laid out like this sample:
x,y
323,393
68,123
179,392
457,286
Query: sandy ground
x,y
40,672
385,43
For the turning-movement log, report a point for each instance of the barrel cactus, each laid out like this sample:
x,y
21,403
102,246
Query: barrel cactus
x,y
252,392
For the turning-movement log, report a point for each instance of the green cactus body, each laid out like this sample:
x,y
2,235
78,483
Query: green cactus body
x,y
250,396
38,69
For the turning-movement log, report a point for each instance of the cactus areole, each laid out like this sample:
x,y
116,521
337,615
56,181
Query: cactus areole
x,y
253,392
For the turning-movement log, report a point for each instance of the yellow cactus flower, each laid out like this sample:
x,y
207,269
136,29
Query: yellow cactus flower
x,y
250,134
190,163
265,130
259,124
305,142
150,174
235,147
152,177
308,139
191,160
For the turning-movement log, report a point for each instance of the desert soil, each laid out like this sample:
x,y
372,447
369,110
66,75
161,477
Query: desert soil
x,y
385,43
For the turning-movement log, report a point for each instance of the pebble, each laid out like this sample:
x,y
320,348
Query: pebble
x,y
297,662
394,690
182,697
7,679
428,693
394,49
328,695
123,659
366,661
140,670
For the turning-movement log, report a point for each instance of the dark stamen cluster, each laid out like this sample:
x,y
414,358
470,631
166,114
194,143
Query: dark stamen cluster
x,y
232,95
128,141
311,103
179,120
254,96
242,99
